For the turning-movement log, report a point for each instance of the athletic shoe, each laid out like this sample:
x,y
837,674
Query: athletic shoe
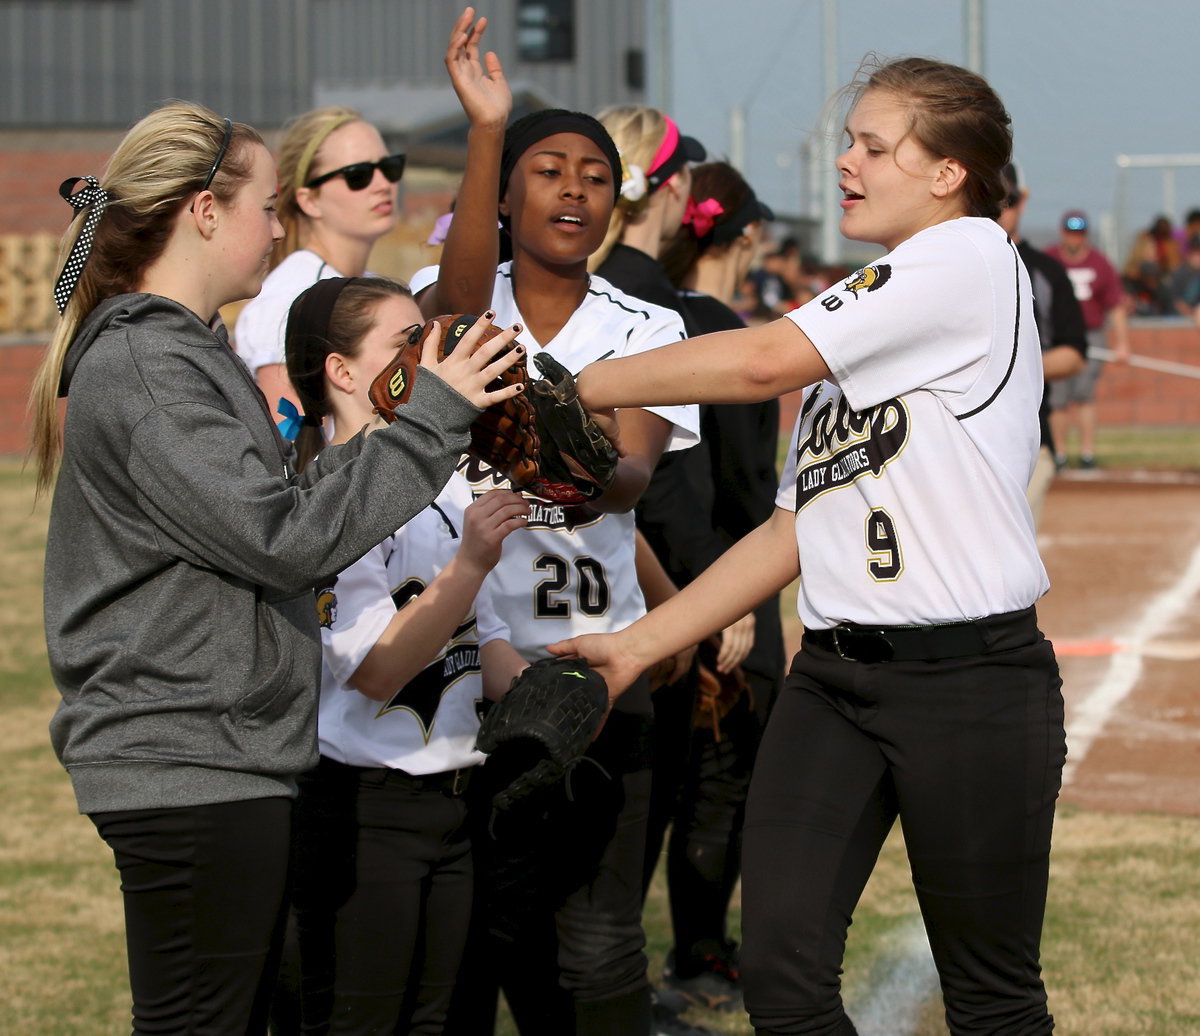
x,y
1087,462
666,1022
1060,461
717,987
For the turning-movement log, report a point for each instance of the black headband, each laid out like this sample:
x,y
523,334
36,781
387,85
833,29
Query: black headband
x,y
528,130
220,155
751,211
308,318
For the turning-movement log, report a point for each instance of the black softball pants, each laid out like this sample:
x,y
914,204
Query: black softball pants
x,y
382,898
559,903
204,890
968,752
699,792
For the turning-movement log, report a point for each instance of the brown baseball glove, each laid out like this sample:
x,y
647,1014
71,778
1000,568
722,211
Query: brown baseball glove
x,y
505,435
716,693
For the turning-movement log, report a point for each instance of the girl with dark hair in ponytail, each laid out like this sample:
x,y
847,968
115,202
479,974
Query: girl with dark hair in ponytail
x,y
411,648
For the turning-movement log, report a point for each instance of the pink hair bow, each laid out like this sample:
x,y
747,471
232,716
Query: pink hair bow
x,y
702,215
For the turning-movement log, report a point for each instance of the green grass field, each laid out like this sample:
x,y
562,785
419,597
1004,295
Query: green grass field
x,y
1120,950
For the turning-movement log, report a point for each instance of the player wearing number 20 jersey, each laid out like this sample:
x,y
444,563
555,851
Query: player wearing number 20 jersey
x,y
923,431
571,570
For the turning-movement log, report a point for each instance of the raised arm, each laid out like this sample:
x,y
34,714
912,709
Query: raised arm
x,y
472,247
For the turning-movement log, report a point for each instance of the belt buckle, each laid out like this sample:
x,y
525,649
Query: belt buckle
x,y
867,646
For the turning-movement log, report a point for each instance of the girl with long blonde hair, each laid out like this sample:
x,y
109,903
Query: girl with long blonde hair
x,y
183,550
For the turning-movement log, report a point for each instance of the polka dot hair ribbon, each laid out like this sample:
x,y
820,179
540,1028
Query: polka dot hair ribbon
x,y
95,197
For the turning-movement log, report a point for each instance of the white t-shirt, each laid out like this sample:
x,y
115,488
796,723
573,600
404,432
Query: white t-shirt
x,y
258,335
430,724
908,469
571,570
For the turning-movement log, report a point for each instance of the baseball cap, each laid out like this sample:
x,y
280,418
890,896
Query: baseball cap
x,y
1075,220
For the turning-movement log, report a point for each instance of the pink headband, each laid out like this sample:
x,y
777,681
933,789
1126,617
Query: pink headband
x,y
667,148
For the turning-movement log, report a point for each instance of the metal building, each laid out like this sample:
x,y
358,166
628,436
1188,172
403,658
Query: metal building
x,y
104,63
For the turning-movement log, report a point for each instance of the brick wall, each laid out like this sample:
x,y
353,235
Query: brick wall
x,y
1134,395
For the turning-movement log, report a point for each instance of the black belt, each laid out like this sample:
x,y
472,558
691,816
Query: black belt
x,y
453,782
918,643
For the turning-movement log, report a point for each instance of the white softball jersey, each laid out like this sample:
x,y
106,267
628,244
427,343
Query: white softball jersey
x,y
430,724
258,335
907,470
571,570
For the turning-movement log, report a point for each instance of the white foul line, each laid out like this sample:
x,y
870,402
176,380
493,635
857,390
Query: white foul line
x,y
1124,667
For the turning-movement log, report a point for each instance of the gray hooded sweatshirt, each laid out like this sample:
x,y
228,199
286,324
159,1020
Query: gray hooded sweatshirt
x,y
182,553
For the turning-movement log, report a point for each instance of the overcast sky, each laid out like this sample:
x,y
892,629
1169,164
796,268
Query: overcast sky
x,y
1084,81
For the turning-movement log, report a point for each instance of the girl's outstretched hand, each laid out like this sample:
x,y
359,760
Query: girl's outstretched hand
x,y
470,370
606,653
481,87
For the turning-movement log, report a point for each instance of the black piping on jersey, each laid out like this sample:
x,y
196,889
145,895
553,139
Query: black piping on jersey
x,y
603,294
446,518
1012,362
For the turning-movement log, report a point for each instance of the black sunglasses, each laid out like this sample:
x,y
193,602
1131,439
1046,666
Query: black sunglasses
x,y
360,174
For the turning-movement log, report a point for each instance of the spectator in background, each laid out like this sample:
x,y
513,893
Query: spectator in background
x,y
1189,230
1184,285
749,304
1098,289
1060,327
1152,259
771,281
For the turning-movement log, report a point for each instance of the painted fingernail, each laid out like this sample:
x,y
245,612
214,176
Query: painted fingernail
x,y
519,349
516,327
489,314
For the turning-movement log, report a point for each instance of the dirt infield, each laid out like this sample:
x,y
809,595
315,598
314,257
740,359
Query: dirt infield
x,y
1123,553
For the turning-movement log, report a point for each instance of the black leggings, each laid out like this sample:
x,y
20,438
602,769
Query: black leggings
x,y
969,754
204,905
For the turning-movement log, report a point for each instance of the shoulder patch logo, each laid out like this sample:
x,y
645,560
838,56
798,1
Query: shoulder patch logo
x,y
869,278
327,607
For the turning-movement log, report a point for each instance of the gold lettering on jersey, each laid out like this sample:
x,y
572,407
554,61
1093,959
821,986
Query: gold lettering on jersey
x,y
838,445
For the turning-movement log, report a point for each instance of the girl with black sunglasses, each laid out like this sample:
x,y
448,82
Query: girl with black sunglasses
x,y
337,197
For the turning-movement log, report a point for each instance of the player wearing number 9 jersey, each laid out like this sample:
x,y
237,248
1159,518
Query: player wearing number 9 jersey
x,y
874,463
923,689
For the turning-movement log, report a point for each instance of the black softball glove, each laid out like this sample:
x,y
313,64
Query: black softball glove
x,y
576,461
543,726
